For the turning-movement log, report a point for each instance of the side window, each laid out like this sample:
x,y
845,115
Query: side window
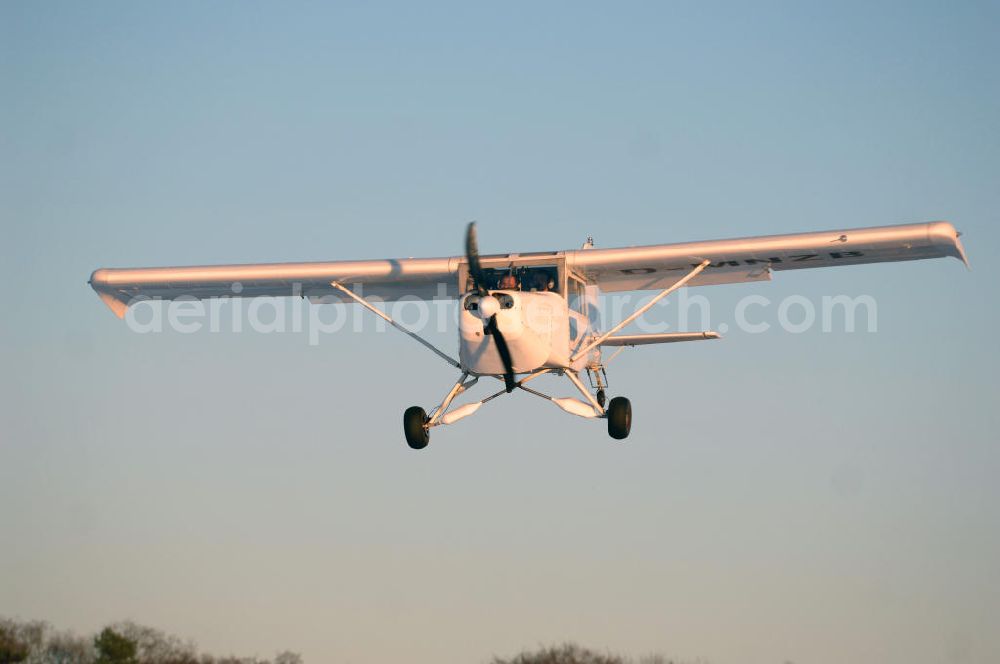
x,y
577,300
574,329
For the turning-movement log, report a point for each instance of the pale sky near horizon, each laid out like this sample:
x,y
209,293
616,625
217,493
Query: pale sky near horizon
x,y
816,497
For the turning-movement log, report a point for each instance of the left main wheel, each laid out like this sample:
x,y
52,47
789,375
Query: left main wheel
x,y
417,435
619,414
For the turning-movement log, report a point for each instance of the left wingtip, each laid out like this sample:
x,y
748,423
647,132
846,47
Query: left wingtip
x,y
961,251
946,233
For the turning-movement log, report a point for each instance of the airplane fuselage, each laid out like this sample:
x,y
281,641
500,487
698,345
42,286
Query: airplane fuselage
x,y
540,329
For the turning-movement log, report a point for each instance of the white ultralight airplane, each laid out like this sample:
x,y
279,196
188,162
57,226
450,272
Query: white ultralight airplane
x,y
525,315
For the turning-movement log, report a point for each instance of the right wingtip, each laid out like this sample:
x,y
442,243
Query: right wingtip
x,y
117,307
97,279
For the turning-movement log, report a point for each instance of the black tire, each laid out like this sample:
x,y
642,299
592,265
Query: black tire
x,y
619,416
417,435
601,398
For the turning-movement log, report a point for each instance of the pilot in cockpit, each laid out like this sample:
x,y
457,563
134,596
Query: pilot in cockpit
x,y
541,281
507,282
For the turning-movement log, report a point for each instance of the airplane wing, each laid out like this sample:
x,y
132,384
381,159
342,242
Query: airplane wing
x,y
754,258
387,280
631,268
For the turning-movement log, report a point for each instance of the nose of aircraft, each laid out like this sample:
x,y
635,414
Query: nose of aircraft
x,y
488,307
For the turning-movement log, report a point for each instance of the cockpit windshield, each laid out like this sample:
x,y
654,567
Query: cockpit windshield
x,y
540,279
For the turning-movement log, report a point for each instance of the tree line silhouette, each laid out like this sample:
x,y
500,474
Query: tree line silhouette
x,y
37,642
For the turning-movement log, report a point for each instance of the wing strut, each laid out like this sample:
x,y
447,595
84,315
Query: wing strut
x,y
381,314
641,310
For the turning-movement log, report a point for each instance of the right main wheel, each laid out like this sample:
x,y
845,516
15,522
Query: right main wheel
x,y
417,435
619,416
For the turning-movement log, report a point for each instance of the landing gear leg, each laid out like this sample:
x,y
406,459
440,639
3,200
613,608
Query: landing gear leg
x,y
619,412
598,380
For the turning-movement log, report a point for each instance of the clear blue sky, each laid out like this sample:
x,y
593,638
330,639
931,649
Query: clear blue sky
x,y
815,498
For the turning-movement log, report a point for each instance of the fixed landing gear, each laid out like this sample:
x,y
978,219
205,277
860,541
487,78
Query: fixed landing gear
x,y
619,416
417,435
618,412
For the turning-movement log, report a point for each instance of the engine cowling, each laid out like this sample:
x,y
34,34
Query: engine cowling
x,y
535,326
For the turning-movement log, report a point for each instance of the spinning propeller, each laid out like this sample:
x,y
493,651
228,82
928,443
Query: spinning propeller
x,y
488,306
